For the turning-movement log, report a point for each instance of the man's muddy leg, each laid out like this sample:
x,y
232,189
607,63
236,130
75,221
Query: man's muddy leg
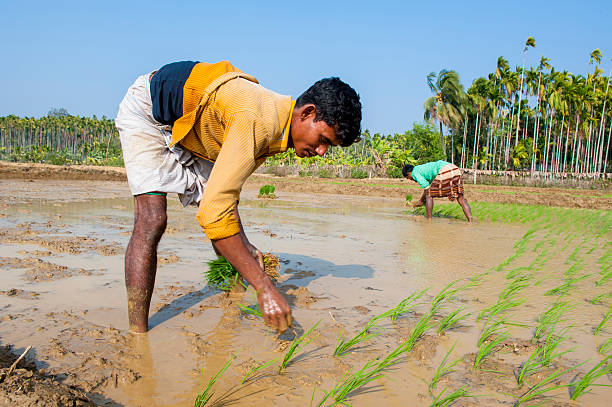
x,y
141,257
467,211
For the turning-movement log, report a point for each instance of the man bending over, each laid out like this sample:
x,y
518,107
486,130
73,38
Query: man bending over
x,y
199,130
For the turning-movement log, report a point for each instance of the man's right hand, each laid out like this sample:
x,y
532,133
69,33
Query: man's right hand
x,y
275,309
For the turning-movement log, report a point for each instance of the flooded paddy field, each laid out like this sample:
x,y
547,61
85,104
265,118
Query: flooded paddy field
x,y
519,300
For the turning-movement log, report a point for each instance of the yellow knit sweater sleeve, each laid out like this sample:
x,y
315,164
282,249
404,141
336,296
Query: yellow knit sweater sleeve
x,y
236,161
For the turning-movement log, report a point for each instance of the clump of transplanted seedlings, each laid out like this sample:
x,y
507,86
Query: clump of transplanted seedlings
x,y
443,370
606,347
405,305
603,322
257,368
443,400
297,345
492,335
351,382
501,306
254,310
549,319
584,384
567,286
446,294
452,320
539,390
204,397
267,192
343,345
601,298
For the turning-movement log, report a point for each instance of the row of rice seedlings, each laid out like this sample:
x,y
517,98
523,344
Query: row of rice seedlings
x,y
603,322
492,335
586,382
546,385
568,285
548,319
204,397
297,345
452,320
443,369
542,356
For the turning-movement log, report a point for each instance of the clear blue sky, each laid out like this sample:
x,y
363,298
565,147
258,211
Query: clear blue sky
x,y
83,55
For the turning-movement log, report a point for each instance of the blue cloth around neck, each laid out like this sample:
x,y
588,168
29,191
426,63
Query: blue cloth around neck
x,y
167,91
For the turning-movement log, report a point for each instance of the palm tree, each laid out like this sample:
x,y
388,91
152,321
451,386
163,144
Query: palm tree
x,y
444,106
529,43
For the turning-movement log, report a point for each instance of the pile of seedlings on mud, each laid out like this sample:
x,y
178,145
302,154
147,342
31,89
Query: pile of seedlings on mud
x,y
267,192
529,353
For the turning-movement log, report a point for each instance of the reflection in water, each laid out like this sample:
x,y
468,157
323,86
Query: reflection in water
x,y
142,392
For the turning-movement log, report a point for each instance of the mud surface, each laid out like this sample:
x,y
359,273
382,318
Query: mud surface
x,y
344,259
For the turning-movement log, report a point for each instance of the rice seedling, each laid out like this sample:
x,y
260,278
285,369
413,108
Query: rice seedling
x,y
549,319
406,305
297,345
488,330
419,330
530,366
267,191
601,298
606,347
351,382
487,348
452,320
605,277
445,295
552,342
539,390
408,198
584,384
514,287
574,268
205,396
343,345
567,286
256,369
443,370
254,310
499,307
605,319
222,275
450,398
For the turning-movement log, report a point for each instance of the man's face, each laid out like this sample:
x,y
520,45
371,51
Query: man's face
x,y
409,176
310,138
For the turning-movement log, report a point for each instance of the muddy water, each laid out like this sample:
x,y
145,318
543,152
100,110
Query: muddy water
x,y
344,260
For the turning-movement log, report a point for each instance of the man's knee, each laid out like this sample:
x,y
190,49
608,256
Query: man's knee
x,y
150,220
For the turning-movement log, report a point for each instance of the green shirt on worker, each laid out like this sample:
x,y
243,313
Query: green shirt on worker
x,y
424,174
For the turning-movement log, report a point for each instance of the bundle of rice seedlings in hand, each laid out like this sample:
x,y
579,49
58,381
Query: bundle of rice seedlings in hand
x,y
267,191
222,275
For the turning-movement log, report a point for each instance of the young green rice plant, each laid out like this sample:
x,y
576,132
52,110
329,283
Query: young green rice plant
x,y
603,322
222,275
567,286
531,366
584,384
257,368
487,348
601,298
605,277
343,345
351,382
254,310
606,347
514,287
552,342
549,319
297,345
267,191
406,305
445,295
204,397
539,390
499,307
424,324
408,199
450,398
443,370
452,320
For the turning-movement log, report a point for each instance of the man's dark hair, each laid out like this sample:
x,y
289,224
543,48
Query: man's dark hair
x,y
407,168
337,105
